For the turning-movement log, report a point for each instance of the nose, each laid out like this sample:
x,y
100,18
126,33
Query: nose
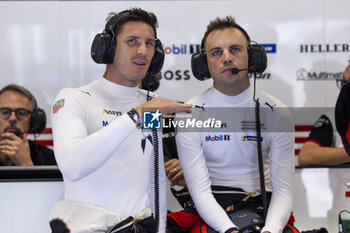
x,y
13,117
142,49
227,57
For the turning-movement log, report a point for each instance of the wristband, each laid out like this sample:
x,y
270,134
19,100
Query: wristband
x,y
135,118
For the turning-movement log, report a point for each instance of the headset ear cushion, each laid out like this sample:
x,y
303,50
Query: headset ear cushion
x,y
103,48
37,121
257,61
151,82
199,66
157,60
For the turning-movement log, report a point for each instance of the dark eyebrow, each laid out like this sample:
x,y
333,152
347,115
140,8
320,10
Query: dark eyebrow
x,y
236,45
132,37
153,40
231,46
138,37
215,48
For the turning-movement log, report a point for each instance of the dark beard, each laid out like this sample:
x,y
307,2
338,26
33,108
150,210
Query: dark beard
x,y
12,129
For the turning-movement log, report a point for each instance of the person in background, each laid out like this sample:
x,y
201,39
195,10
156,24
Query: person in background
x,y
223,175
324,147
20,115
108,161
342,116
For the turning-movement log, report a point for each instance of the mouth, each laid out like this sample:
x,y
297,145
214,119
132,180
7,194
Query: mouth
x,y
12,129
139,63
227,70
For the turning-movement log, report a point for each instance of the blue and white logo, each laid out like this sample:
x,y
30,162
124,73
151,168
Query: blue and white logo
x,y
270,48
151,120
251,138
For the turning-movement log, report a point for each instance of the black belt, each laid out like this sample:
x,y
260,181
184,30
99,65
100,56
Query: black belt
x,y
132,225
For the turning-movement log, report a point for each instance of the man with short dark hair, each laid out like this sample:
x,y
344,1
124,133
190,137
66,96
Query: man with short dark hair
x,y
221,168
18,117
107,159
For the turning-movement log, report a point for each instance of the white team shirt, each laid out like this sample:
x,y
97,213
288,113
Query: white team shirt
x,y
98,149
230,158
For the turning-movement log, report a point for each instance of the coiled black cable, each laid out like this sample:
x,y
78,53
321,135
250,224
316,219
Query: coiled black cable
x,y
260,157
156,174
39,153
156,179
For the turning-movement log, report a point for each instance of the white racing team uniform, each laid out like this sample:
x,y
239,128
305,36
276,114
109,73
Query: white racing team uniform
x,y
106,162
229,157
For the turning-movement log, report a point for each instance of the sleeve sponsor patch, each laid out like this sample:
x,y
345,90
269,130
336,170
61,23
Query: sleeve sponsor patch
x,y
58,105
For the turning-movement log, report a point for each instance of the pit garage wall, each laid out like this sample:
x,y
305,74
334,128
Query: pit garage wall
x,y
319,196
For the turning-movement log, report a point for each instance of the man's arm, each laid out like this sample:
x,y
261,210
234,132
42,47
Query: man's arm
x,y
174,173
79,153
317,150
313,154
282,181
281,155
165,106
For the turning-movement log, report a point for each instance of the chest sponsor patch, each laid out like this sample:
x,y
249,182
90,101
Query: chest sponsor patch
x,y
250,138
111,112
215,138
251,125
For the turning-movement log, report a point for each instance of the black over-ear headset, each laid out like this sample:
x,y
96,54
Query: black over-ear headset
x,y
257,60
104,44
37,119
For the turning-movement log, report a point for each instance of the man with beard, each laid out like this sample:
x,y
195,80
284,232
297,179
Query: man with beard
x,y
20,115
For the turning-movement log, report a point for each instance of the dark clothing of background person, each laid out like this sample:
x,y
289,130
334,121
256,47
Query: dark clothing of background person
x,y
40,155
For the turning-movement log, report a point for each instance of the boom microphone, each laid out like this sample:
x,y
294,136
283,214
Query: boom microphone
x,y
236,70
